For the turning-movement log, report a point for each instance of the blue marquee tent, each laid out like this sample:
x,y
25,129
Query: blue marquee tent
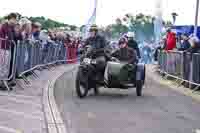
x,y
188,29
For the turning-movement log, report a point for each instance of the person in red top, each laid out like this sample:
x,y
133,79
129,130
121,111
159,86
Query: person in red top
x,y
170,40
7,31
72,50
7,35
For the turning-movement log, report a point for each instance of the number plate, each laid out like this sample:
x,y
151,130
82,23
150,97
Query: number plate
x,y
87,60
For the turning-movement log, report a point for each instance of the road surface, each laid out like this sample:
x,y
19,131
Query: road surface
x,y
159,110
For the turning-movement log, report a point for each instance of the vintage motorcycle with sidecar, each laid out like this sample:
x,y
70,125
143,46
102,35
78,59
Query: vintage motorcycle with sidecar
x,y
96,71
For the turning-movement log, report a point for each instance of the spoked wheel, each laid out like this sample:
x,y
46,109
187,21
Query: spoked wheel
x,y
81,89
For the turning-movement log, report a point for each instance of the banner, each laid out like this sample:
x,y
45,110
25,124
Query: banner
x,y
91,21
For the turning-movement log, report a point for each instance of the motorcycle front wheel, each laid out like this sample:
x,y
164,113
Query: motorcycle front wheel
x,y
81,89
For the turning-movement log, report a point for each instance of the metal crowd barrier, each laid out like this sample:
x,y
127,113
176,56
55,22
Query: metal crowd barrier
x,y
180,65
31,55
7,60
196,68
18,59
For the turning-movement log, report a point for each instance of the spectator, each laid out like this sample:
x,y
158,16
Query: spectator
x,y
44,39
7,31
146,57
170,40
17,33
178,42
52,35
67,39
60,36
195,45
26,27
36,28
159,48
184,45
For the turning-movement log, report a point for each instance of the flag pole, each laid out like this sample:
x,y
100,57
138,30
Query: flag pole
x,y
91,20
95,10
196,17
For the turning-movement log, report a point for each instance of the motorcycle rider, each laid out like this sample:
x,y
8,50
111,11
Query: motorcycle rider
x,y
132,43
97,43
125,53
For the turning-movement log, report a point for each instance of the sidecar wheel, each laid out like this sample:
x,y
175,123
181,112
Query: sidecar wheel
x,y
139,85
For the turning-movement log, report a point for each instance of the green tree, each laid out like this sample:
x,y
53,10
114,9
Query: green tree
x,y
115,30
1,19
141,24
73,27
82,28
45,22
49,23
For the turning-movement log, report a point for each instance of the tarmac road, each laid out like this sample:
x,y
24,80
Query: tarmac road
x,y
159,110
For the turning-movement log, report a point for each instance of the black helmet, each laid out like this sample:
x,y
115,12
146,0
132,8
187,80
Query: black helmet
x,y
94,28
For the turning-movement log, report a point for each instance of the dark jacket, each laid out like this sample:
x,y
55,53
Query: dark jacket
x,y
18,37
98,46
126,55
184,46
134,45
159,48
98,42
6,35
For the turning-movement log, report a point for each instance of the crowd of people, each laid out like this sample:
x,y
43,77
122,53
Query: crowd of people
x,y
17,29
185,66
183,42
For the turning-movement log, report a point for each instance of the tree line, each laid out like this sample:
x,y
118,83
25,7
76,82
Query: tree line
x,y
45,22
142,25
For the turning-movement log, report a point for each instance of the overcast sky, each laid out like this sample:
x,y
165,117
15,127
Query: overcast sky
x,y
78,11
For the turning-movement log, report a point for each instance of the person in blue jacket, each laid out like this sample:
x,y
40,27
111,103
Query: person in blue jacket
x,y
184,45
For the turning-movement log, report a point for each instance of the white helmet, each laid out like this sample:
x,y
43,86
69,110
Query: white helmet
x,y
130,34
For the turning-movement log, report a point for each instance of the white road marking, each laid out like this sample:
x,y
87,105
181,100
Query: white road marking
x,y
10,130
21,113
